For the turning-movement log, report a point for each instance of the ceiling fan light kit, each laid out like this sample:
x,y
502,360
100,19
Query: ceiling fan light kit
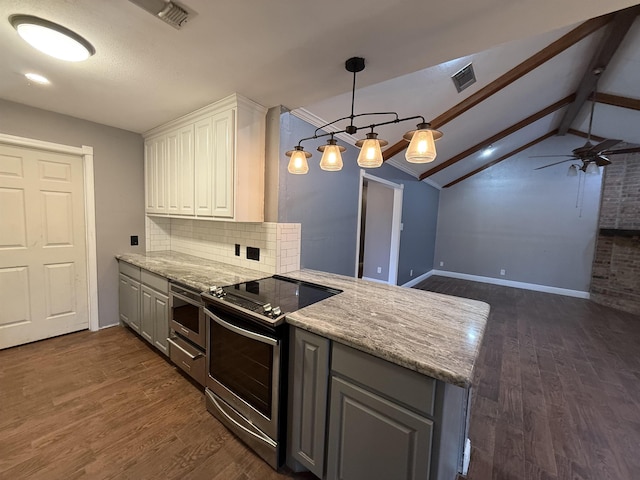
x,y
52,39
422,148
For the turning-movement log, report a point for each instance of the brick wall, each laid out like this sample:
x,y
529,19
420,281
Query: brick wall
x,y
616,270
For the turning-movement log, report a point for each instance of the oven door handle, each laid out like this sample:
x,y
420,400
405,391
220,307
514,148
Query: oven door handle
x,y
241,331
183,350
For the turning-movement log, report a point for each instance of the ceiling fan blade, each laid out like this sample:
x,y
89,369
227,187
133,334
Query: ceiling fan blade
x,y
605,145
602,161
551,156
620,151
556,163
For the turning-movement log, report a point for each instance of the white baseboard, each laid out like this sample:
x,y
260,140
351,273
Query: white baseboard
x,y
511,283
109,326
417,280
377,280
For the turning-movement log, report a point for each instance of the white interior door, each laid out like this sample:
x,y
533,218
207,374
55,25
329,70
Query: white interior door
x,y
43,271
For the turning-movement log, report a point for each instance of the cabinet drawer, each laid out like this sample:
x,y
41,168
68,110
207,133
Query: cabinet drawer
x,y
155,281
129,270
393,381
188,358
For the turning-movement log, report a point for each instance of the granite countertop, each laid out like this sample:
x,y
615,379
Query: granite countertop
x,y
196,272
434,334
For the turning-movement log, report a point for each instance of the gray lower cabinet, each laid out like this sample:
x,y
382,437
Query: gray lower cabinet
x,y
154,325
373,438
144,304
310,364
129,301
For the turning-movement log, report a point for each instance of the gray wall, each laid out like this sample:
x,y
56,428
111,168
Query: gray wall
x,y
377,235
119,185
513,217
326,204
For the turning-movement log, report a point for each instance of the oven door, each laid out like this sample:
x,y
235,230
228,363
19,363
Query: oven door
x,y
243,369
187,316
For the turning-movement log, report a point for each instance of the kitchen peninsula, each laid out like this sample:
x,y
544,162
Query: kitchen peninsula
x,y
396,363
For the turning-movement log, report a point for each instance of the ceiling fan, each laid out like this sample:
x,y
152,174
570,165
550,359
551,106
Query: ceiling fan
x,y
591,156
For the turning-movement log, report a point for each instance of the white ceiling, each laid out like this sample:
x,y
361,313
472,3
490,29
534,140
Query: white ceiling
x,y
292,53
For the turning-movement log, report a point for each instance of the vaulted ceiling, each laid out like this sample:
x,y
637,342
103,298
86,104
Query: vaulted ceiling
x,y
526,91
292,53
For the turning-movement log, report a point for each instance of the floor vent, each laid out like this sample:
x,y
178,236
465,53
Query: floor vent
x,y
169,12
464,78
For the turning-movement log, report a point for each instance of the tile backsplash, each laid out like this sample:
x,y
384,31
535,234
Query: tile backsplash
x,y
279,243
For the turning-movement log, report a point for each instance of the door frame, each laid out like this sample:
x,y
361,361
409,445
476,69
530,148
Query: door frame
x,y
396,224
86,154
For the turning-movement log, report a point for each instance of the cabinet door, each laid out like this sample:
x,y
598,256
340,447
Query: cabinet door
x,y
155,176
134,305
310,363
180,171
147,310
124,299
186,188
203,153
372,438
223,164
161,322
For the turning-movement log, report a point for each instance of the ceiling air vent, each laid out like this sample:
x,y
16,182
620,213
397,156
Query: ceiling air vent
x,y
169,12
464,78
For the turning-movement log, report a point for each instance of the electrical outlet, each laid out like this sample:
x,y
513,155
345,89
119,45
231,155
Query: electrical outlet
x,y
442,264
253,253
237,249
379,269
502,271
134,240
411,273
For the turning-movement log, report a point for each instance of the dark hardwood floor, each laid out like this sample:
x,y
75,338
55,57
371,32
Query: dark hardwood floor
x,y
106,406
557,397
557,387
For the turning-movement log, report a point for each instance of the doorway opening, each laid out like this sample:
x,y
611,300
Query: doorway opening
x,y
378,232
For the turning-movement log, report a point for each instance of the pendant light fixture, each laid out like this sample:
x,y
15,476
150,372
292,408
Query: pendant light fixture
x,y
53,39
573,170
331,155
422,148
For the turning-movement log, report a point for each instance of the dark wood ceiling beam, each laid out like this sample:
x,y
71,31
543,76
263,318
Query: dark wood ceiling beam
x,y
579,133
547,53
499,136
617,100
616,31
504,157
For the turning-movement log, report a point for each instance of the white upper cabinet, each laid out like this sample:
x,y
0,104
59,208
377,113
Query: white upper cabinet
x,y
155,175
180,171
208,164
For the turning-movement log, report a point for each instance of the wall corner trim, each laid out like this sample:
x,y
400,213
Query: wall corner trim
x,y
511,283
417,280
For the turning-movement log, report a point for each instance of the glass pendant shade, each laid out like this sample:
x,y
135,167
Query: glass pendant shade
x,y
331,156
298,163
370,152
573,171
592,169
52,39
422,148
422,143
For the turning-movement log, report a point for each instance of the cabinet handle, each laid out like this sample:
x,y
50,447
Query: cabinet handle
x,y
186,352
187,366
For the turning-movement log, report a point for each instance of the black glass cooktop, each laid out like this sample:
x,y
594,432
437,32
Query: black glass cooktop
x,y
287,293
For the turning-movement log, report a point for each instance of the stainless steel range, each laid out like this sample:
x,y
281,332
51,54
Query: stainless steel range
x,y
247,345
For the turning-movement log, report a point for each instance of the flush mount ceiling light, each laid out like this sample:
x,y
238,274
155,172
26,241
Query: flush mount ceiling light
x,y
422,148
34,77
51,38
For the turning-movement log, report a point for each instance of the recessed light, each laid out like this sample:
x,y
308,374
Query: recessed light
x,y
34,77
51,38
487,151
